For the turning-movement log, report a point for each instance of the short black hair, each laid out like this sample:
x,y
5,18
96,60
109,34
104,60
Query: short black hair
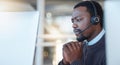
x,y
91,10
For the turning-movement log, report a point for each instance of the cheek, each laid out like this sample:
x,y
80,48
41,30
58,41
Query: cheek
x,y
89,32
84,24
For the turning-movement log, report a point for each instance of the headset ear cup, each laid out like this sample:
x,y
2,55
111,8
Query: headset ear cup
x,y
95,20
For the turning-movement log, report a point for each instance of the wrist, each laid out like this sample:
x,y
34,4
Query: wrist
x,y
72,61
65,62
75,62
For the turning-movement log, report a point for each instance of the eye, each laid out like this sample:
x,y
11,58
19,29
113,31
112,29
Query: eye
x,y
79,20
76,20
72,20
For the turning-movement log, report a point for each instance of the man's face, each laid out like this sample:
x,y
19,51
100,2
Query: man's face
x,y
81,20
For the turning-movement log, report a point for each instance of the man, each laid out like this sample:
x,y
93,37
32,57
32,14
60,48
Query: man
x,y
89,49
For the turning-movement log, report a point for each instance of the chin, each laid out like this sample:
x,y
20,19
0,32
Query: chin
x,y
81,38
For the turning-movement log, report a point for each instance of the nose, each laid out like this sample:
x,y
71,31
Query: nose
x,y
74,25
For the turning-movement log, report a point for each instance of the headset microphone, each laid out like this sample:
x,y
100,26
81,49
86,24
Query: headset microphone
x,y
82,37
86,28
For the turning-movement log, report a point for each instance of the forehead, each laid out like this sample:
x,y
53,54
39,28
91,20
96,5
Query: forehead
x,y
80,11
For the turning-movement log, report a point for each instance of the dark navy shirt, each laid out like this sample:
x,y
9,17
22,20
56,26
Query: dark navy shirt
x,y
92,55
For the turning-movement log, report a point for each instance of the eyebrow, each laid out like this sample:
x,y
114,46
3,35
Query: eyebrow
x,y
76,17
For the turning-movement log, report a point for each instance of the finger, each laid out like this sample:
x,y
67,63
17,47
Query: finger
x,y
70,46
73,45
65,48
78,45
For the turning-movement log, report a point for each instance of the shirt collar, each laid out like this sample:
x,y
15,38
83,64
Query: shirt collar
x,y
97,38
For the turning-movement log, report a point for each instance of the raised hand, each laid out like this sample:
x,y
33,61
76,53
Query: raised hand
x,y
72,51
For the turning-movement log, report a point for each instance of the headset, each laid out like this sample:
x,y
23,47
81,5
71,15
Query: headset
x,y
94,19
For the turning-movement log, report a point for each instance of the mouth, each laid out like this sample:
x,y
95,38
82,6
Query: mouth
x,y
77,32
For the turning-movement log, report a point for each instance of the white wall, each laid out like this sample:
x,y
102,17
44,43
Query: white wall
x,y
112,19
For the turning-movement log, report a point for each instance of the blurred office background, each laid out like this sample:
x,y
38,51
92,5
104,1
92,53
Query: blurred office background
x,y
55,27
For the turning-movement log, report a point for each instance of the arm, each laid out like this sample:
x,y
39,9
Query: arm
x,y
104,60
73,63
63,63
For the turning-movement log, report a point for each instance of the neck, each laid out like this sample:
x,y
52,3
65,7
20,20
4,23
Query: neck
x,y
97,30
